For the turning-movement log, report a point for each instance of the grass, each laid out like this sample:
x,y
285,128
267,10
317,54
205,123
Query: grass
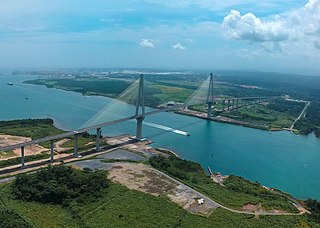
x,y
17,160
34,128
6,154
121,207
260,114
169,93
236,193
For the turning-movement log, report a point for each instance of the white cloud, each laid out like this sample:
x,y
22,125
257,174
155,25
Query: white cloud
x,y
297,31
179,46
147,43
249,27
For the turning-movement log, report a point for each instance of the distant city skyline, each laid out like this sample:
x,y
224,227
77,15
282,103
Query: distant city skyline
x,y
267,35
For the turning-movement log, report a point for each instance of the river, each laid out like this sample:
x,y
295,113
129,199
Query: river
x,y
281,160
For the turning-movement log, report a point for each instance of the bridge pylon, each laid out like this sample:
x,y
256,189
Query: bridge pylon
x,y
140,109
210,98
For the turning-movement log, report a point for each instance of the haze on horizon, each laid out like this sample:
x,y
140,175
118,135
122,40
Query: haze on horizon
x,y
265,35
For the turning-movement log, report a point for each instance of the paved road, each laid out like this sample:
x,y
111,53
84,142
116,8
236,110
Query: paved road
x,y
217,205
299,117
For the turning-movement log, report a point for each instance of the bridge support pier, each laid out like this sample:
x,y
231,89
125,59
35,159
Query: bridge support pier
x,y
75,145
209,114
223,104
51,151
232,104
98,139
237,103
210,97
140,104
22,157
228,105
139,128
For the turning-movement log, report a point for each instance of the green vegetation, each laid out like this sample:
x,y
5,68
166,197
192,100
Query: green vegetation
x,y
86,86
314,207
277,114
290,108
236,193
178,88
262,115
17,160
311,122
297,86
9,218
118,206
34,128
156,94
59,185
39,128
169,93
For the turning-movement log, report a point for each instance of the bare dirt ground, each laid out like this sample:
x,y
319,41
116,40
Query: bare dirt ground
x,y
138,147
140,177
6,140
146,179
58,144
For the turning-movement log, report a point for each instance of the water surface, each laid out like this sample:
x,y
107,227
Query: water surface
x,y
277,159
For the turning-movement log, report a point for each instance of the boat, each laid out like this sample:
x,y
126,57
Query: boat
x,y
10,83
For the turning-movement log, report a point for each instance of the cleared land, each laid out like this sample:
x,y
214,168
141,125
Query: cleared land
x,y
119,206
16,131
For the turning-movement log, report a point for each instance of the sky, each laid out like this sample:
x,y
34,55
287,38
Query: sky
x,y
266,35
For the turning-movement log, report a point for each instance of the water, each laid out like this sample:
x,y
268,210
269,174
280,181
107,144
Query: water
x,y
276,159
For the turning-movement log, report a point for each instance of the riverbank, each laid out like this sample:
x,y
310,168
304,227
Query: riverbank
x,y
222,119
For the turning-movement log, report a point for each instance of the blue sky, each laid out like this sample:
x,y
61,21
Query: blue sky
x,y
263,35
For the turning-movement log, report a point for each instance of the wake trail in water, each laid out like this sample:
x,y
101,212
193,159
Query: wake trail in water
x,y
166,128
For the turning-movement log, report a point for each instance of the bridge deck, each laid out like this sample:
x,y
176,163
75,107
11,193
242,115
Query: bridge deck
x,y
80,131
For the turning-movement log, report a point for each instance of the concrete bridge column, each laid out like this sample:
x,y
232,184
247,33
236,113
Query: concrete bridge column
x,y
228,105
223,104
22,157
209,114
75,145
51,151
232,104
210,96
140,104
139,127
237,103
98,139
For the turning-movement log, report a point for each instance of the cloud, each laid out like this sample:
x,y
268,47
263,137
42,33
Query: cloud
x,y
296,32
147,43
249,27
179,46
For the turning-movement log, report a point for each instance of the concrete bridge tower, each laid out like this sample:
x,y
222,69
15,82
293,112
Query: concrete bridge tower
x,y
210,96
140,109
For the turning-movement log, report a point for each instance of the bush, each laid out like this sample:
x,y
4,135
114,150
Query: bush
x,y
10,219
59,185
314,207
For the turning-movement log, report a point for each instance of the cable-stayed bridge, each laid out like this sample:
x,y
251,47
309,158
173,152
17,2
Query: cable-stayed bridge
x,y
204,95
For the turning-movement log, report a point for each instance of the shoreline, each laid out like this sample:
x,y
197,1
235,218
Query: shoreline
x,y
198,114
227,120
